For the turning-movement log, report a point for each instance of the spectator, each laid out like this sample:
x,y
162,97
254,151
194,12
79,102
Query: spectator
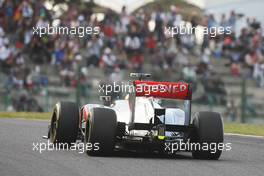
x,y
232,20
235,69
159,18
108,61
94,48
232,110
258,73
189,73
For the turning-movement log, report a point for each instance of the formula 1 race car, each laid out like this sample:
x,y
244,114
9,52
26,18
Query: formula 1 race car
x,y
139,121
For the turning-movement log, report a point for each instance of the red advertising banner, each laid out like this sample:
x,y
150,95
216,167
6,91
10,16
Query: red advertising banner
x,y
170,90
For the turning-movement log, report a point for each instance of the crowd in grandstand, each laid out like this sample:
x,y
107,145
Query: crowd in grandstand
x,y
126,41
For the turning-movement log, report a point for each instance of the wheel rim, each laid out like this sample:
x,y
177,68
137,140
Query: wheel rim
x,y
54,127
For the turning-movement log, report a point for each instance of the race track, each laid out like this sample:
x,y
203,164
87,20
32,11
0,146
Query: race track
x,y
17,158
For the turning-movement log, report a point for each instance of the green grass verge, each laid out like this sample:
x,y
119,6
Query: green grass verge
x,y
249,129
26,115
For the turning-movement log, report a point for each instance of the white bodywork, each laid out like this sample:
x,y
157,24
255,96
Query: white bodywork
x,y
144,111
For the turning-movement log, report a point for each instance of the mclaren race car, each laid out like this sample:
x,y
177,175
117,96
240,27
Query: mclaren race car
x,y
140,121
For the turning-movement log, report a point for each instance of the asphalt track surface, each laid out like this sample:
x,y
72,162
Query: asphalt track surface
x,y
17,158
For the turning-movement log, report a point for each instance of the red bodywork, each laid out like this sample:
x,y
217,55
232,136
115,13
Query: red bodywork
x,y
85,113
170,90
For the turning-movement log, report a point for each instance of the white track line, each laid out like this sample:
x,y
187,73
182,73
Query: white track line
x,y
243,135
20,118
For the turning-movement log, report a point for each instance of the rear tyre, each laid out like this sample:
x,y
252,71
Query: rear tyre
x,y
64,123
100,131
208,131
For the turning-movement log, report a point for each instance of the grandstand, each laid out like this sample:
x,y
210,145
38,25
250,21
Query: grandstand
x,y
58,68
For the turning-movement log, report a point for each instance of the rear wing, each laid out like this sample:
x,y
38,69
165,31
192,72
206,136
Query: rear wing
x,y
168,90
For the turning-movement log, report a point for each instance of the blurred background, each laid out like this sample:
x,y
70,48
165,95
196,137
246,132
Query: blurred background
x,y
227,71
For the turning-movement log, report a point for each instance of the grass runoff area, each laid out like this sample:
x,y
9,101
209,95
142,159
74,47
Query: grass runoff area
x,y
26,115
237,128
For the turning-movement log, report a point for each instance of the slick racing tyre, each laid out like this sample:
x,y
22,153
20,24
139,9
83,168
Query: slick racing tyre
x,y
101,131
209,131
64,123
